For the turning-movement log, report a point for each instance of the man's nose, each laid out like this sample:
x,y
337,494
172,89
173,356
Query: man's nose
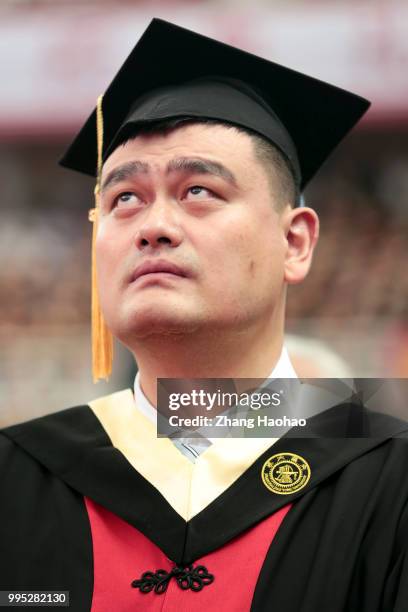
x,y
159,226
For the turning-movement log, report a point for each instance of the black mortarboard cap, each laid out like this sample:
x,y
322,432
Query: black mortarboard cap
x,y
173,72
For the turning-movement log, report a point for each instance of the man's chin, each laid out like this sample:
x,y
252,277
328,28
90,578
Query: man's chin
x,y
144,325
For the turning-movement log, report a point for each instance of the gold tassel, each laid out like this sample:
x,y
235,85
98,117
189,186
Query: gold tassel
x,y
102,340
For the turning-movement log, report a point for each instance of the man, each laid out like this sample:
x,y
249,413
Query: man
x,y
198,232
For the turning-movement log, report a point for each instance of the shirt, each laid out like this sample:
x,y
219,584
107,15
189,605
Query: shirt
x,y
192,447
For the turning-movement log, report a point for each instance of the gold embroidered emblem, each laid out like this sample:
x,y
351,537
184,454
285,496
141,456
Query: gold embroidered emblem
x,y
285,473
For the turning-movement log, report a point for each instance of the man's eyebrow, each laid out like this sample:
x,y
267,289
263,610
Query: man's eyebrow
x,y
124,172
199,165
188,165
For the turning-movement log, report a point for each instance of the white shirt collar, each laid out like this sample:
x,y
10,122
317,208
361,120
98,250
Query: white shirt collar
x,y
283,369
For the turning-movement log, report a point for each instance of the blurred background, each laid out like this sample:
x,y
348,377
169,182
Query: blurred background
x,y
57,56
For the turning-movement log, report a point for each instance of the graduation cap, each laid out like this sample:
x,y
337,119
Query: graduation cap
x,y
173,72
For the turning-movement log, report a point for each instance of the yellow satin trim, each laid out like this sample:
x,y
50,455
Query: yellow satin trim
x,y
188,487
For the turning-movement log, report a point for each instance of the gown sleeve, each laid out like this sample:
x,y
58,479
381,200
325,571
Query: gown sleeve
x,y
396,590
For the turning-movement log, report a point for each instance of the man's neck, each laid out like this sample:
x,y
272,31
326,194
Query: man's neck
x,y
210,356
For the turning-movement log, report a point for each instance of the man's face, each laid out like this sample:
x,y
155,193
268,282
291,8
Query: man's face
x,y
189,238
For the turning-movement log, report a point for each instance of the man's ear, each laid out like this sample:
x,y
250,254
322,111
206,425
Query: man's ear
x,y
302,232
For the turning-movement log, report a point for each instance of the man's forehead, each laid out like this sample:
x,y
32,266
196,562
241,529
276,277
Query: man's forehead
x,y
158,151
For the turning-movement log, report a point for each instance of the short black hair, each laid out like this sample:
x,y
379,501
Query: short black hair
x,y
274,161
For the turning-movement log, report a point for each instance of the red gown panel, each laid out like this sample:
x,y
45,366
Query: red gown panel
x,y
122,554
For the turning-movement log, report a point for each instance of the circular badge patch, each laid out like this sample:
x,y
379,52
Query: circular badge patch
x,y
285,473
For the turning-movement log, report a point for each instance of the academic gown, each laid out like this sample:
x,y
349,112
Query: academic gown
x,y
91,499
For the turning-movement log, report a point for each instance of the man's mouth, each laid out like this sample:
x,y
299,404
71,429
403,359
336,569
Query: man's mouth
x,y
157,267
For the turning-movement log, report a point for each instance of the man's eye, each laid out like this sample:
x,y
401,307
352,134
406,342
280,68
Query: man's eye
x,y
197,191
126,199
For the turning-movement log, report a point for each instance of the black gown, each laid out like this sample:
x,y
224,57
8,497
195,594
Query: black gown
x,y
91,500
